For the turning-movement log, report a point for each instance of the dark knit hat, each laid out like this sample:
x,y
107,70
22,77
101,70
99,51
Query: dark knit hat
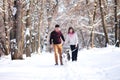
x,y
57,26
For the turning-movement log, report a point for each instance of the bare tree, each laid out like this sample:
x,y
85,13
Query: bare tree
x,y
92,31
116,22
119,32
28,29
19,31
103,23
3,49
7,24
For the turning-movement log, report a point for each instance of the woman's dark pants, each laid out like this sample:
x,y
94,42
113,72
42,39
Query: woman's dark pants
x,y
74,50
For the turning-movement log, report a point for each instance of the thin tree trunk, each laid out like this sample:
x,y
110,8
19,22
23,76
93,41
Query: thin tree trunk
x,y
92,33
32,43
2,30
83,40
38,39
103,24
28,23
116,27
119,32
12,26
87,1
40,24
31,35
6,26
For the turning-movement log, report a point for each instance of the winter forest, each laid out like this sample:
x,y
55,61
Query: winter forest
x,y
25,27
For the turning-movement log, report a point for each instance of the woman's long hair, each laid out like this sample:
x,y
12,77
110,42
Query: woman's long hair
x,y
70,29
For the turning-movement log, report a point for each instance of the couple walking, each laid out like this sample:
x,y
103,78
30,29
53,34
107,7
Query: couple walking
x,y
57,40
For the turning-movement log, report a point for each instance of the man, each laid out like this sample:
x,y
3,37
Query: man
x,y
56,38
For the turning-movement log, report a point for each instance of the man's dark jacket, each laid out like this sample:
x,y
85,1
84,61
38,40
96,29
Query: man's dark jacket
x,y
55,37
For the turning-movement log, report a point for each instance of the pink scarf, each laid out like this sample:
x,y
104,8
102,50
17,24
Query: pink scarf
x,y
71,34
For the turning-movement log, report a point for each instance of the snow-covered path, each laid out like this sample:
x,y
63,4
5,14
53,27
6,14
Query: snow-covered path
x,y
93,64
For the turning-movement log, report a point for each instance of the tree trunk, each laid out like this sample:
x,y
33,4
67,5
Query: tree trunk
x,y
87,1
33,44
6,26
19,29
103,24
40,24
119,32
116,26
83,40
2,30
28,23
27,47
92,32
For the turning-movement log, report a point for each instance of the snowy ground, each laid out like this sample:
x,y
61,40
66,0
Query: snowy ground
x,y
93,64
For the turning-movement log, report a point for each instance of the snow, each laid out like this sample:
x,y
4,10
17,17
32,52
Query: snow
x,y
14,10
92,64
27,32
13,40
61,8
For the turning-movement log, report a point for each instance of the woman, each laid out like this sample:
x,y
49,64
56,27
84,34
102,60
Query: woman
x,y
72,39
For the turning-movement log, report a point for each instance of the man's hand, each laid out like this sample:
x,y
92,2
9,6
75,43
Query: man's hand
x,y
51,46
63,43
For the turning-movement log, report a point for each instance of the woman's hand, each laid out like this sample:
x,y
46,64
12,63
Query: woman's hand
x,y
76,45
